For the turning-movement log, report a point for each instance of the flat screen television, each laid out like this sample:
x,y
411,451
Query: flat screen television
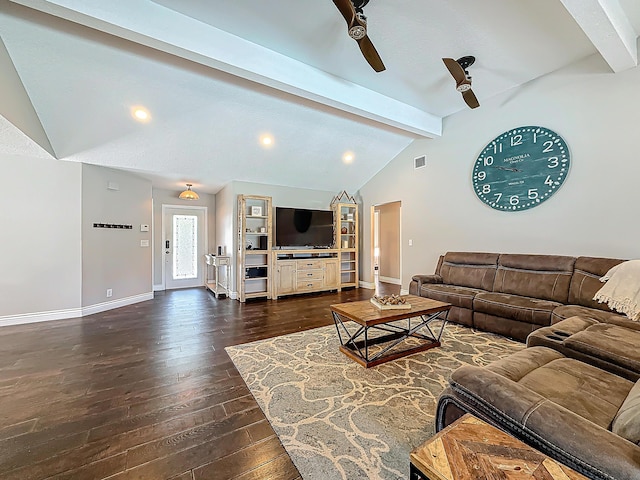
x,y
299,227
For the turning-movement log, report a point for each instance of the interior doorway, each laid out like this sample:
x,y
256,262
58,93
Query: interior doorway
x,y
184,246
386,243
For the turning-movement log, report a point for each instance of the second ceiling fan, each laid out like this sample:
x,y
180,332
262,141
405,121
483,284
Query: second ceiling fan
x,y
353,14
458,70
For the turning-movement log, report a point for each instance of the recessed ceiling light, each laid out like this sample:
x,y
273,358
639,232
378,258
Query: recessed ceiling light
x,y
348,157
141,114
266,140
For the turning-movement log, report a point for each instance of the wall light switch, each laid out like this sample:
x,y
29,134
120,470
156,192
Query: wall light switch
x,y
144,243
410,243
144,228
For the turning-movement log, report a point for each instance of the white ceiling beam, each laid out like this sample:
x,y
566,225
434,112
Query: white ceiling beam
x,y
609,29
155,26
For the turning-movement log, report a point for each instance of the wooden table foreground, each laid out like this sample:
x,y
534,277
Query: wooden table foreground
x,y
470,449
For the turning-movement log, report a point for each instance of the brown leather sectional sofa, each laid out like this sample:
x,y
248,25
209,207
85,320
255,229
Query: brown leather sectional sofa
x,y
578,414
512,294
574,393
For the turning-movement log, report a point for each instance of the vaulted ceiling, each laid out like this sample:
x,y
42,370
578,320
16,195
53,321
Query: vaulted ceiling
x,y
216,75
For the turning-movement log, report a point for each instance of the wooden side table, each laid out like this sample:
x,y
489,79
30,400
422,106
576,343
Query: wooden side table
x,y
213,282
472,449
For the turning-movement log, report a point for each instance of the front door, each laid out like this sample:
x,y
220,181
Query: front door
x,y
184,246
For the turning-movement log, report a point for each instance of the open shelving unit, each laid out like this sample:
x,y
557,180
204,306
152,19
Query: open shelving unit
x,y
254,246
346,242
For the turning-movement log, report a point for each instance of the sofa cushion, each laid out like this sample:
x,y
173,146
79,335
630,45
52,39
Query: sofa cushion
x,y
568,311
538,276
581,388
453,294
627,421
469,269
612,343
585,281
515,307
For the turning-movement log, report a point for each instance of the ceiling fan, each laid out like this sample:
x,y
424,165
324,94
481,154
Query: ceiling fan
x,y
352,12
458,70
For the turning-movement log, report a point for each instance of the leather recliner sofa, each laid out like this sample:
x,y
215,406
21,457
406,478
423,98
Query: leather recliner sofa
x,y
515,294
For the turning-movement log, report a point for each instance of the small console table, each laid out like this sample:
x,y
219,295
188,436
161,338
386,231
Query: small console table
x,y
214,282
470,449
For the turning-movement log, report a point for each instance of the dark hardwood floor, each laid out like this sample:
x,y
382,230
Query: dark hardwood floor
x,y
146,391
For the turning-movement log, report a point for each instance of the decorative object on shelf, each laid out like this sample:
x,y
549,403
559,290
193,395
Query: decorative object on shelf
x,y
521,168
343,197
343,230
256,211
249,244
189,194
390,302
263,229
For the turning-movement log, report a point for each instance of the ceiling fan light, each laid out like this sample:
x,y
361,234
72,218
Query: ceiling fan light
x,y
189,194
357,32
463,87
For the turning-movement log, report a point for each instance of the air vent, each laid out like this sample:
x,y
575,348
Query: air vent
x,y
420,162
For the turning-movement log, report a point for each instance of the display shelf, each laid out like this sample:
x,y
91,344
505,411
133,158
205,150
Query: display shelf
x,y
254,246
346,242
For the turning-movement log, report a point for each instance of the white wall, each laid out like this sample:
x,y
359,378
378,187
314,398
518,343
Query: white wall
x,y
41,261
170,197
595,211
113,258
227,209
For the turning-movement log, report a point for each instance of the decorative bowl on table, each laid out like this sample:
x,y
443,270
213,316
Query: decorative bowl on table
x,y
390,302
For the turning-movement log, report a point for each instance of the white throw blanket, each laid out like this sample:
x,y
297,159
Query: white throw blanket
x,y
622,289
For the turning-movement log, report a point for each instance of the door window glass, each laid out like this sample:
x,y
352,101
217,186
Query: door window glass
x,y
185,247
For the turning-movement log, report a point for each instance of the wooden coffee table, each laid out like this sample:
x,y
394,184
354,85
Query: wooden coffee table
x,y
470,449
356,341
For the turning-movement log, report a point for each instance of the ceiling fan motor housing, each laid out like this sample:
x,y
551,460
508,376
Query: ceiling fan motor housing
x,y
463,87
358,31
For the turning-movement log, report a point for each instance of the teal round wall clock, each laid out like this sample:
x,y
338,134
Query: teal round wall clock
x,y
521,168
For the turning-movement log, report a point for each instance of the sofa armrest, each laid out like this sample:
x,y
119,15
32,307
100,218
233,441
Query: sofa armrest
x,y
547,426
422,279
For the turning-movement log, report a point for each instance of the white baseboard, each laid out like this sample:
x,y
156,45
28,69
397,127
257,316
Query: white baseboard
x,y
404,292
368,285
26,318
394,281
159,287
121,302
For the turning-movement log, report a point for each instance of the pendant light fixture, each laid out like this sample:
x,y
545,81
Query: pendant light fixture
x,y
189,194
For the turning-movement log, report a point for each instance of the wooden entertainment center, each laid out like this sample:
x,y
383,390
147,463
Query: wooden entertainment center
x,y
305,271
269,272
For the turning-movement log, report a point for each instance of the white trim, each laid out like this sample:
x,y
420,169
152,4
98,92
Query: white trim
x,y
404,292
122,302
367,285
205,211
35,317
159,287
233,295
394,281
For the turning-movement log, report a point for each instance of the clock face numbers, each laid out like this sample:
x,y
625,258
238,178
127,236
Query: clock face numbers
x,y
521,168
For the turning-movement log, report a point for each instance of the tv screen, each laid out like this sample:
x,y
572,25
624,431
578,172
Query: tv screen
x,y
298,227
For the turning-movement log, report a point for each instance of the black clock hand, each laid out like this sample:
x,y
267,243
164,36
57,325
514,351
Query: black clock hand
x,y
505,168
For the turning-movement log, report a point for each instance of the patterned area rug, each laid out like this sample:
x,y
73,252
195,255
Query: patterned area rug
x,y
338,420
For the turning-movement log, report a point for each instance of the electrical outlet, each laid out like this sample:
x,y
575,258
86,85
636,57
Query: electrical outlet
x,y
109,292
